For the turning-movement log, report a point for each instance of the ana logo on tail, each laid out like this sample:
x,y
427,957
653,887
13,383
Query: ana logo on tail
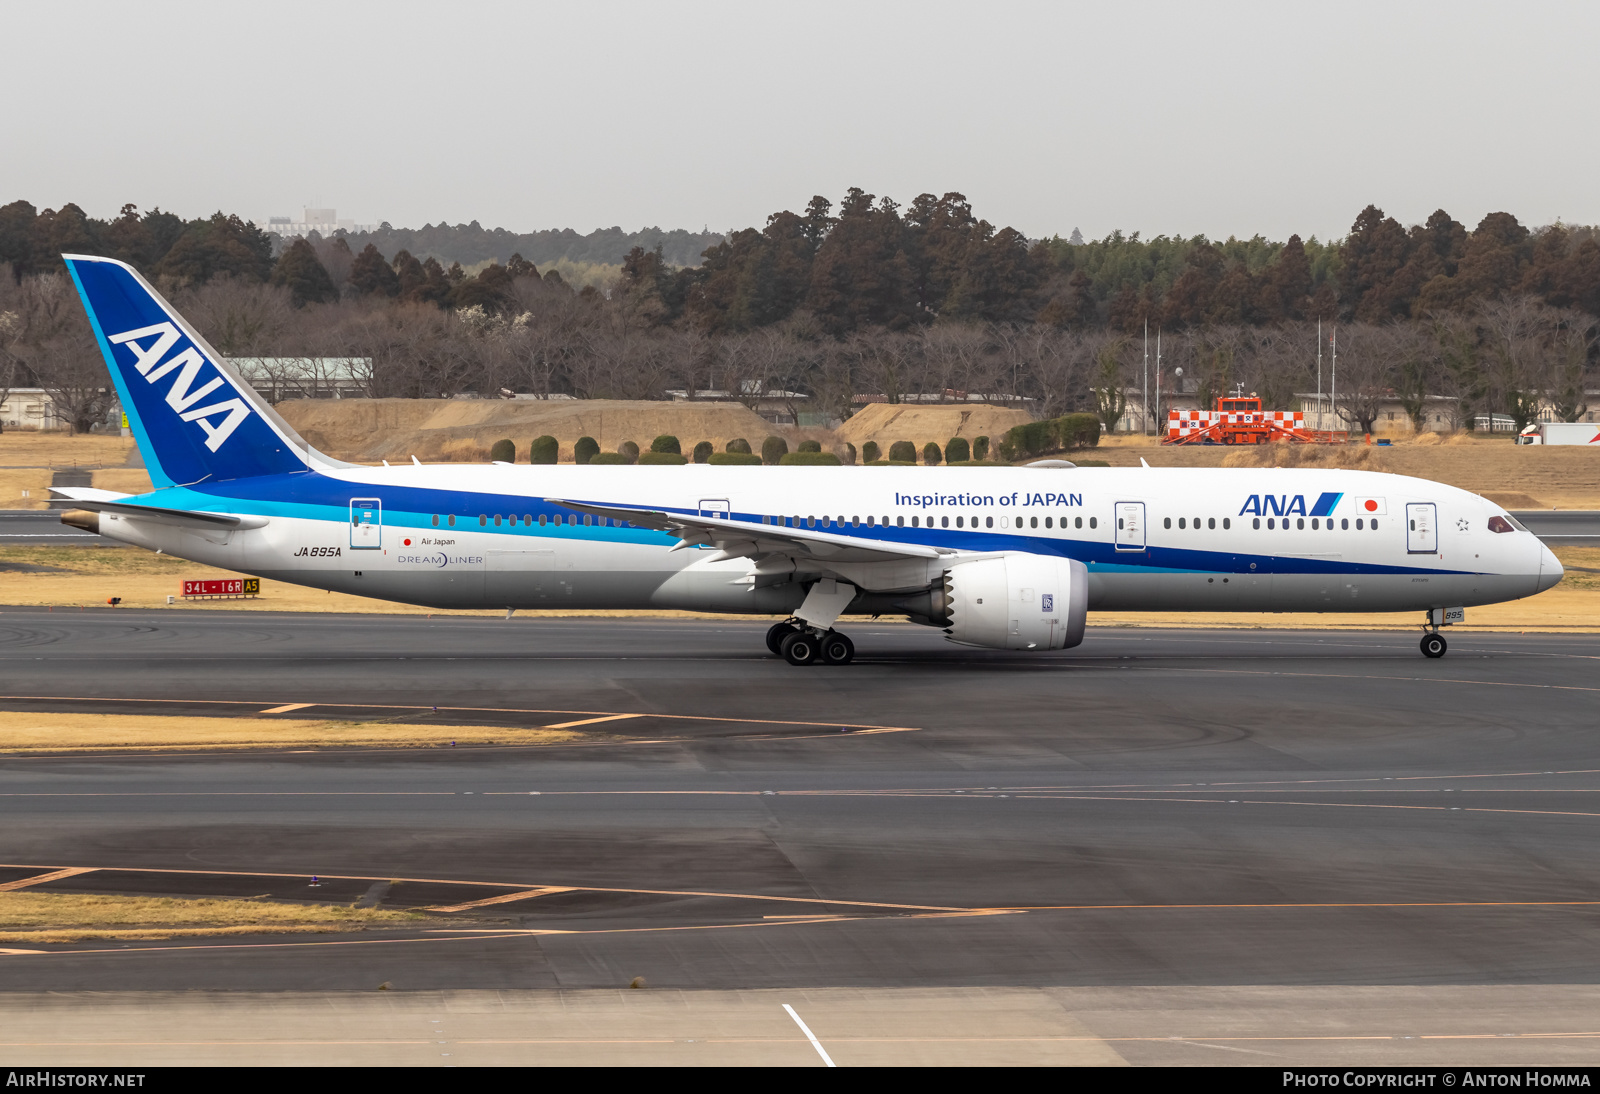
x,y
182,394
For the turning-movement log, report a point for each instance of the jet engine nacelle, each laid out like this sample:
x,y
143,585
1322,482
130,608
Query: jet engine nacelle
x,y
1017,602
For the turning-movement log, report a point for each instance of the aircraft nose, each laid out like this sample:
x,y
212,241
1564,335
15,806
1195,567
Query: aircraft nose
x,y
1550,569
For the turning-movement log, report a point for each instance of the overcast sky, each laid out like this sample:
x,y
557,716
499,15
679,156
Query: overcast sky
x,y
1161,118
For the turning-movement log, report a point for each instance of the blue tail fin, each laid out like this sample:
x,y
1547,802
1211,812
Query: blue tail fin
x,y
194,418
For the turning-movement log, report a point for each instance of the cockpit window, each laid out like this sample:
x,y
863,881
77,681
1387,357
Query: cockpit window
x,y
1501,524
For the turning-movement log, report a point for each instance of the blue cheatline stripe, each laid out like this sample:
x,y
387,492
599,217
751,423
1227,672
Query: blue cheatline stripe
x,y
314,496
1325,504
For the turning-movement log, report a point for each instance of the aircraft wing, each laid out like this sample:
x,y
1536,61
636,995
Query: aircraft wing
x,y
746,539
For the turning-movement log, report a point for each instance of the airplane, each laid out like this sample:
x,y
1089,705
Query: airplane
x,y
1008,558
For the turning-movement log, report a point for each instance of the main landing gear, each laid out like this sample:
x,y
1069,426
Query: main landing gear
x,y
802,645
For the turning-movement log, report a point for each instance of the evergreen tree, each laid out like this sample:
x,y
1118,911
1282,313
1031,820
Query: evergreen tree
x,y
301,272
370,275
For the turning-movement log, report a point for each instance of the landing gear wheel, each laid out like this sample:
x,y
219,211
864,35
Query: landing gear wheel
x,y
776,634
799,648
1434,645
837,649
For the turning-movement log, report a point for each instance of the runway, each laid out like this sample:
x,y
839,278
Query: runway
x,y
1310,825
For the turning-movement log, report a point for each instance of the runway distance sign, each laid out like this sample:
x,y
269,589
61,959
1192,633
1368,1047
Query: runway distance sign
x,y
228,586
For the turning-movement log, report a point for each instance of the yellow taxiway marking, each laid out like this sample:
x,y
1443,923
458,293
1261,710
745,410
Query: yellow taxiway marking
x,y
506,898
596,714
592,721
286,708
40,879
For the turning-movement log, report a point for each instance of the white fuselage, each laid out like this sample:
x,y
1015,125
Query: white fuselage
x,y
454,536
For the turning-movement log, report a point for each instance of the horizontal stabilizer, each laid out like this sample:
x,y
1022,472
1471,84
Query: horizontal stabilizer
x,y
181,517
88,493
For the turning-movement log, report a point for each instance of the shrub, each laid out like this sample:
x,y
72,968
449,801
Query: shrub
x,y
931,454
902,452
738,444
871,453
849,453
1050,435
957,450
703,450
807,458
666,443
810,446
977,463
1093,463
734,459
629,450
545,449
661,459
980,448
585,450
893,463
1078,430
773,449
608,458
503,452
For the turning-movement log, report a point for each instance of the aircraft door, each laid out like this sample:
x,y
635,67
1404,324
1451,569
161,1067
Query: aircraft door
x,y
366,524
714,507
1130,526
1422,528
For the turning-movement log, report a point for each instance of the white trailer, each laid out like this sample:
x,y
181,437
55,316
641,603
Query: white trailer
x,y
1561,433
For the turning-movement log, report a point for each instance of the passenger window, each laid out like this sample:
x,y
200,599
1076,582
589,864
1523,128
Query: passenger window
x,y
572,520
497,520
527,518
1182,523
855,522
588,521
944,522
1299,523
452,520
1047,523
541,520
1313,524
483,520
1226,524
958,522
1358,524
1077,522
436,520
988,522
1094,522
1033,522
1374,524
1211,522
1005,522
1345,524
900,522
1255,522
869,521
1166,522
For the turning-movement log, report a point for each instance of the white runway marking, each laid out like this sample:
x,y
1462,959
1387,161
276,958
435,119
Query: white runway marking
x,y
812,1037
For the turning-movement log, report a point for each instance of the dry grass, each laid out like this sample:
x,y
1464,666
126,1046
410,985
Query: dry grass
x,y
32,449
124,480
36,481
23,733
71,917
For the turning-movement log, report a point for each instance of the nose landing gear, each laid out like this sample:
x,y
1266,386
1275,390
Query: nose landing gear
x,y
1434,645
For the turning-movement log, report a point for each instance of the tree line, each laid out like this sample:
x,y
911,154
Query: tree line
x,y
923,302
